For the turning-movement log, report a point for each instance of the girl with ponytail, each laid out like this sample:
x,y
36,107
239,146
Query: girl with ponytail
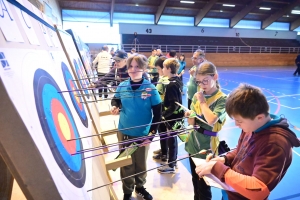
x,y
208,104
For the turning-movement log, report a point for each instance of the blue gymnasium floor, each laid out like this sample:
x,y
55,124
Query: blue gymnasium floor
x,y
282,90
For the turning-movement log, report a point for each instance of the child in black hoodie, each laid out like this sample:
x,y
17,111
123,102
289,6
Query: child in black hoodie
x,y
171,111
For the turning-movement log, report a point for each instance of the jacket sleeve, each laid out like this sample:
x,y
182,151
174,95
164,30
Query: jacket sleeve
x,y
171,92
269,165
248,186
230,156
110,76
156,118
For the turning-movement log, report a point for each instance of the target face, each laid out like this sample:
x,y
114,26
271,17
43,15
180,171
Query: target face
x,y
59,126
74,95
80,75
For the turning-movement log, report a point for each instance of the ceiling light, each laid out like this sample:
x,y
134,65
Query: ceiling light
x,y
191,2
264,8
295,12
229,5
221,10
136,4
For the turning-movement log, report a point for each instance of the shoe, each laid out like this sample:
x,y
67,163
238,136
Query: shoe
x,y
164,158
157,151
176,166
143,193
127,196
157,156
166,170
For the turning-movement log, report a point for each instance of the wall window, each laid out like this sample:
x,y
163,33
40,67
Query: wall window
x,y
279,26
176,20
248,24
214,22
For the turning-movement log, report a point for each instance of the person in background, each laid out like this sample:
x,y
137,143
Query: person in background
x,y
264,151
104,61
148,108
151,64
112,51
197,59
297,62
161,88
172,54
209,105
131,52
116,75
181,68
159,53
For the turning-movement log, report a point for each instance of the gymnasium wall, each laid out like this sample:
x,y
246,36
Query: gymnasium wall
x,y
244,59
149,29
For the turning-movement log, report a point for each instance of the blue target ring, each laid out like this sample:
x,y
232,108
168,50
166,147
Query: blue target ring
x,y
59,126
83,69
80,76
75,99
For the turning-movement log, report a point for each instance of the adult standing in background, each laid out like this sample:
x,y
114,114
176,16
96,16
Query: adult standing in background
x,y
172,54
197,59
182,63
151,63
131,52
159,53
180,71
104,60
297,62
116,75
112,51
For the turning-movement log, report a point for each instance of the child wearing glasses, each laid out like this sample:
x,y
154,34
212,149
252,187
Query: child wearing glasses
x,y
209,104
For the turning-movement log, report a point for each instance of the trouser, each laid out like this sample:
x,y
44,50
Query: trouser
x,y
181,88
189,103
168,146
100,75
138,165
201,190
297,70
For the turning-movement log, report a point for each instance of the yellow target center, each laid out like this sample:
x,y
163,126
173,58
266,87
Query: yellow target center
x,y
64,126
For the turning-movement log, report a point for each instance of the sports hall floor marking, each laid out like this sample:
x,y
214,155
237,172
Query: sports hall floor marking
x,y
265,76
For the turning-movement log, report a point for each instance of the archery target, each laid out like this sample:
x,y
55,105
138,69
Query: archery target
x,y
81,76
76,100
83,72
59,126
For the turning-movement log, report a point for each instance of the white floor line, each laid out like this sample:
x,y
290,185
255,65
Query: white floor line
x,y
288,95
226,89
296,152
263,76
285,106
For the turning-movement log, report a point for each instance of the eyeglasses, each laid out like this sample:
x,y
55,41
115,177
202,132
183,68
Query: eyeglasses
x,y
193,58
204,82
